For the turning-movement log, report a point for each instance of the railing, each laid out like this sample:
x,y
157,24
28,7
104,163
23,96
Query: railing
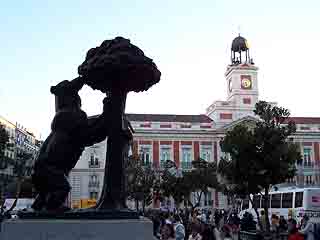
x,y
94,184
186,165
256,236
94,165
162,164
147,164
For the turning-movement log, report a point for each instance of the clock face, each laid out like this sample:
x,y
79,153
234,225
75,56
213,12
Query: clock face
x,y
246,82
230,84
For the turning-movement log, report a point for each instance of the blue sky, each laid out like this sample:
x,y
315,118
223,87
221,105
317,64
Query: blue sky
x,y
43,43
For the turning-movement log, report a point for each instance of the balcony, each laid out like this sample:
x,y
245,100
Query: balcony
x,y
94,164
186,165
94,186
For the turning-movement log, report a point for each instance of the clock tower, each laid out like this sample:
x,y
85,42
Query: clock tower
x,y
242,86
241,75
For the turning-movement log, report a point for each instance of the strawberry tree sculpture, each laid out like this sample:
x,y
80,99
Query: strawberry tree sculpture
x,y
115,68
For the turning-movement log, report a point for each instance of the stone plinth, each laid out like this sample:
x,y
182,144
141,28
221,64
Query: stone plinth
x,y
48,229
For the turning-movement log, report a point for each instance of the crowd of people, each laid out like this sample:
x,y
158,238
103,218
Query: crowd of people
x,y
303,230
225,225
195,225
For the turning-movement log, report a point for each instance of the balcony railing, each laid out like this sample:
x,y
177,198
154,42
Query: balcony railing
x,y
308,164
94,184
147,164
94,164
186,165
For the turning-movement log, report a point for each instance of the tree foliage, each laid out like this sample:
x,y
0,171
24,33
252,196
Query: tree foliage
x,y
22,166
261,156
198,180
140,181
4,143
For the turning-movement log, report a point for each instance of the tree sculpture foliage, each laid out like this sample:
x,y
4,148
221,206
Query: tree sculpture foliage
x,y
260,156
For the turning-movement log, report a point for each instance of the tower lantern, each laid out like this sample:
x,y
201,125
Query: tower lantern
x,y
240,51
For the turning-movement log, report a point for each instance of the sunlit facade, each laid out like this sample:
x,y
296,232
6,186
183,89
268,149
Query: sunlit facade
x,y
184,138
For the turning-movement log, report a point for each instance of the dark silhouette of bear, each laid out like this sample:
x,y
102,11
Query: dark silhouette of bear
x,y
71,132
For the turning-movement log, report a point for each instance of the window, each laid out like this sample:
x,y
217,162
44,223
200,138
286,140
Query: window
x,y
287,200
92,160
308,180
145,154
262,201
307,156
93,195
276,200
298,199
186,152
256,201
94,178
207,199
165,154
206,152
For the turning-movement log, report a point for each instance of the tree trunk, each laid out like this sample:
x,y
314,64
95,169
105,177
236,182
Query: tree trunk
x,y
257,212
137,204
199,198
113,196
266,208
143,204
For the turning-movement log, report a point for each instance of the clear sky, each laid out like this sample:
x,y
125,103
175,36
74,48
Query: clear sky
x,y
43,42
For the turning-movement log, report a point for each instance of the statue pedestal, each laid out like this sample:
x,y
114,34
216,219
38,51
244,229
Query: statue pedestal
x,y
60,229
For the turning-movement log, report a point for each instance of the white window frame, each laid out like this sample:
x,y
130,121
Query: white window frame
x,y
204,150
189,147
306,160
170,153
150,152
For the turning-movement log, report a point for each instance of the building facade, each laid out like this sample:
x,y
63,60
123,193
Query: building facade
x,y
184,138
21,140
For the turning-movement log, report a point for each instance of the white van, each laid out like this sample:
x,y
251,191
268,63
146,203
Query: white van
x,y
22,203
294,202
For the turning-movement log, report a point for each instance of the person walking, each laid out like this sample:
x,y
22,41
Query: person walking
x,y
195,233
293,230
167,231
283,226
179,228
307,229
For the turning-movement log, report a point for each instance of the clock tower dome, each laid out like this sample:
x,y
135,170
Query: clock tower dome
x,y
242,86
241,75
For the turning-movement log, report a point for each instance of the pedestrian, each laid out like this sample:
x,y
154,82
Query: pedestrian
x,y
283,226
293,230
274,223
167,231
263,220
207,232
179,228
195,233
308,229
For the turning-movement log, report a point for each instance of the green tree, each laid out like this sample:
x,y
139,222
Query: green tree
x,y
260,156
175,186
4,161
140,182
202,177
